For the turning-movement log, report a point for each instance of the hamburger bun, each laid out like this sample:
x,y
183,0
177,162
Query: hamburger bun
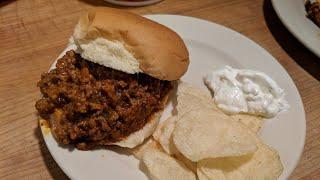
x,y
131,43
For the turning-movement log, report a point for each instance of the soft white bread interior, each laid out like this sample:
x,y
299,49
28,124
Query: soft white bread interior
x,y
131,43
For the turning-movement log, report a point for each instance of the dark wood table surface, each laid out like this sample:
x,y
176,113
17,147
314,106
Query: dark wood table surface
x,y
34,32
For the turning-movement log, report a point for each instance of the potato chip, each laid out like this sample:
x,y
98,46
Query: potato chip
x,y
205,134
254,123
149,144
189,164
263,164
192,98
163,135
201,175
161,166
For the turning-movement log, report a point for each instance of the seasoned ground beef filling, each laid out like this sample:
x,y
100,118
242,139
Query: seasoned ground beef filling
x,y
313,12
89,104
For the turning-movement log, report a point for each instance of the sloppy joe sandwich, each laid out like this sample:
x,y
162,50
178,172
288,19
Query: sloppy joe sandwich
x,y
112,89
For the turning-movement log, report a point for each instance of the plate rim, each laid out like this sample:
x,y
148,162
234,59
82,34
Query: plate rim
x,y
133,4
313,48
261,49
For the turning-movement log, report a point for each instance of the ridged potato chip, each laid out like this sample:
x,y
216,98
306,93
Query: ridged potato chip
x,y
192,98
263,164
163,135
149,144
201,175
205,134
254,123
161,166
189,164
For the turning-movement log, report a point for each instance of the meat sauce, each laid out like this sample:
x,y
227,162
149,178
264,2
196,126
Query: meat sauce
x,y
313,11
90,105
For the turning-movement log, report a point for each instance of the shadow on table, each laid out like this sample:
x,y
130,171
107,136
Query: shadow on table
x,y
5,2
51,165
304,57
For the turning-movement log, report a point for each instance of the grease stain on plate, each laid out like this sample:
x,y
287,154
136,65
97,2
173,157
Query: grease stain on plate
x,y
45,126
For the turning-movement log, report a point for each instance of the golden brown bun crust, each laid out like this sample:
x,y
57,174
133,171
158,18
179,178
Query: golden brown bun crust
x,y
160,51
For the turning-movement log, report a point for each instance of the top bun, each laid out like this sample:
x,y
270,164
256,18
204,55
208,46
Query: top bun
x,y
131,43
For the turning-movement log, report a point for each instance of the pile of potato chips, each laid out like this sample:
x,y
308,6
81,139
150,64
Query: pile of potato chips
x,y
201,142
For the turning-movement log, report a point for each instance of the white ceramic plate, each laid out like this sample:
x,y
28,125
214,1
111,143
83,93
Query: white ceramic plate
x,y
211,46
292,13
133,3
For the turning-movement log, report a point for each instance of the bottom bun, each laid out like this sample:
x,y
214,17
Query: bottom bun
x,y
131,141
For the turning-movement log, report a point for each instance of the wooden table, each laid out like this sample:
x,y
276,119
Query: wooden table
x,y
34,32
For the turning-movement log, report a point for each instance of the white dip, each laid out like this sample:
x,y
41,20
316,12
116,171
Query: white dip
x,y
246,91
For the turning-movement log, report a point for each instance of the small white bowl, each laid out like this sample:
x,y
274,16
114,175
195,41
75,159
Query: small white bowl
x,y
132,3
